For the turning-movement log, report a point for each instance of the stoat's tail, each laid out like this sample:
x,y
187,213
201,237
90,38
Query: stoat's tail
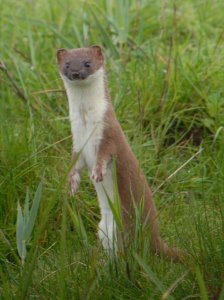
x,y
163,249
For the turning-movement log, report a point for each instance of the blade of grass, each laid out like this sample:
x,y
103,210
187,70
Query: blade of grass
x,y
62,273
104,34
33,212
19,234
151,275
201,283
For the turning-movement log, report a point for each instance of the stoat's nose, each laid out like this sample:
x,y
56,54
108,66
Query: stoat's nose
x,y
75,75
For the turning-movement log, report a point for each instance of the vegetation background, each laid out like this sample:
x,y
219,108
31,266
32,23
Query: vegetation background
x,y
165,66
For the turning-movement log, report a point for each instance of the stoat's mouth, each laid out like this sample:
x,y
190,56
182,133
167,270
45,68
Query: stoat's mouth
x,y
82,79
75,76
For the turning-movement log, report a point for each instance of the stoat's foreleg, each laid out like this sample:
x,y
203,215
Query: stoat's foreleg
x,y
74,175
99,171
105,154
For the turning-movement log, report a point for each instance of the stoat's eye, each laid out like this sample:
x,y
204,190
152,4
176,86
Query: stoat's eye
x,y
67,65
87,64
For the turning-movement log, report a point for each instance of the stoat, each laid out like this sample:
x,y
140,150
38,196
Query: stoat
x,y
97,140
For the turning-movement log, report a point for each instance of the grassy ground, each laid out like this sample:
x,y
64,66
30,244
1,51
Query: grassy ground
x,y
165,63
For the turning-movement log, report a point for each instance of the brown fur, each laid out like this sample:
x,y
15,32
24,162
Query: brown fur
x,y
132,184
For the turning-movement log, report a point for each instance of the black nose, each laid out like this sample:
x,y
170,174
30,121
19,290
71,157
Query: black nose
x,y
75,75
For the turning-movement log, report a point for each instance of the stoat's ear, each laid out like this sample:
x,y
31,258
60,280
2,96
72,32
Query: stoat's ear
x,y
98,50
60,54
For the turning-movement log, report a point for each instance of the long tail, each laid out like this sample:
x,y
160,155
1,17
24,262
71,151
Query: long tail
x,y
173,254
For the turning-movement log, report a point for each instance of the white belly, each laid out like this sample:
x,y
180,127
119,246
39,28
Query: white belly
x,y
87,108
86,140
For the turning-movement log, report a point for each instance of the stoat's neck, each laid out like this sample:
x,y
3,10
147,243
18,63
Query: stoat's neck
x,y
87,107
87,95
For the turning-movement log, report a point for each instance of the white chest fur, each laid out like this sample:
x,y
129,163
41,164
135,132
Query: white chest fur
x,y
87,107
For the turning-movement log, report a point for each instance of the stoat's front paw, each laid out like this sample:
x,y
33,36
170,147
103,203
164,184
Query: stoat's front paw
x,y
98,173
74,180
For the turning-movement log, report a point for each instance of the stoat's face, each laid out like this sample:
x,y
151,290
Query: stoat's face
x,y
79,64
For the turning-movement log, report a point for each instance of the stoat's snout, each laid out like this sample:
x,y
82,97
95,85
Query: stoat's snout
x,y
76,69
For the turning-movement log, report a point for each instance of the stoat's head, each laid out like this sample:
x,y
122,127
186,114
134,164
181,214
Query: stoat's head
x,y
81,64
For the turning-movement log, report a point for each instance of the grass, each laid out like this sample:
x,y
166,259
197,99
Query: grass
x,y
165,64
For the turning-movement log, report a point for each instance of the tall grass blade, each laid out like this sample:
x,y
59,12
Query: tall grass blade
x,y
104,34
31,44
150,273
21,247
26,207
201,283
167,293
221,296
33,212
65,42
26,277
77,221
62,274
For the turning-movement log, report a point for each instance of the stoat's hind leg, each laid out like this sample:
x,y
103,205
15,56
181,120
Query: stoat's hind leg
x,y
107,225
107,232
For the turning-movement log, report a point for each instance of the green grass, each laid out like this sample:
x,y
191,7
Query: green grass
x,y
165,63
